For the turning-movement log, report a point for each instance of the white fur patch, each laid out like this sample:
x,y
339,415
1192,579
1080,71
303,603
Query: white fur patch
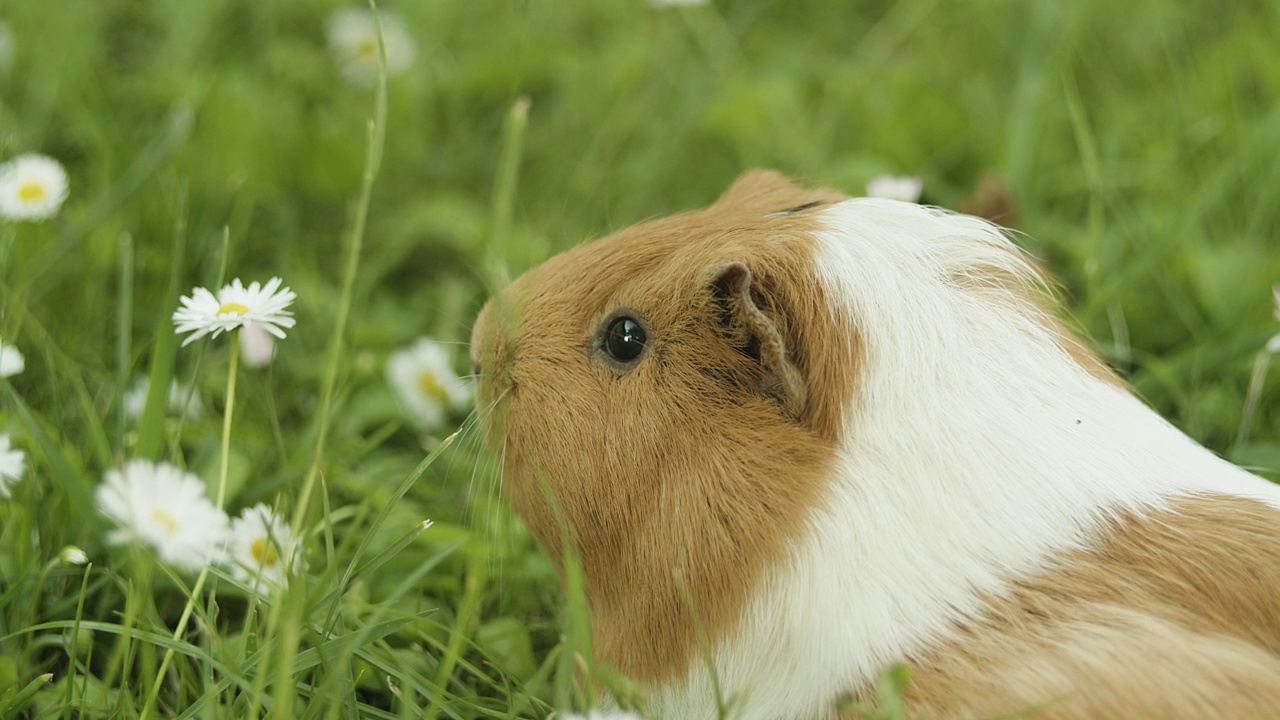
x,y
976,450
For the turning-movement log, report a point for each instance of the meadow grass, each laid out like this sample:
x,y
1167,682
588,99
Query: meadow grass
x,y
1136,144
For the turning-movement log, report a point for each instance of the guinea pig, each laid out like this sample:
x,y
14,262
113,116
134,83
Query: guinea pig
x,y
796,439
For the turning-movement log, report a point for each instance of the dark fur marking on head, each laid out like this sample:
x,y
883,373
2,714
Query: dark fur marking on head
x,y
801,208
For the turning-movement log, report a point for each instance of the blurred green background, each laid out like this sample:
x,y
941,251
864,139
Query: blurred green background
x,y
1134,146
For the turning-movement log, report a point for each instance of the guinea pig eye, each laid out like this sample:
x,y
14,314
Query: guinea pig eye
x,y
624,339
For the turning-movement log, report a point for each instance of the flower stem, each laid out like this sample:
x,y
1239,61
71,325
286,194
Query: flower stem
x,y
223,466
124,339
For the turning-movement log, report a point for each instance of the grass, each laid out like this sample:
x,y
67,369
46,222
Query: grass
x,y
218,138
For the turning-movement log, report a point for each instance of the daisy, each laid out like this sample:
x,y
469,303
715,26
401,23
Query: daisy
x,y
164,508
135,401
906,189
261,548
677,3
425,382
353,39
12,463
11,362
32,187
603,715
234,307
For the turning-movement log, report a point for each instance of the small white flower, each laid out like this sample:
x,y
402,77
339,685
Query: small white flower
x,y
11,361
164,508
32,187
426,383
603,715
677,3
257,347
136,399
234,307
259,544
12,464
353,39
907,189
72,555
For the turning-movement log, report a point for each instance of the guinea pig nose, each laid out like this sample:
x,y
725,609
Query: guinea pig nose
x,y
475,368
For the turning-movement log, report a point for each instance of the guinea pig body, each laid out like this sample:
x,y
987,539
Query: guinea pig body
x,y
820,436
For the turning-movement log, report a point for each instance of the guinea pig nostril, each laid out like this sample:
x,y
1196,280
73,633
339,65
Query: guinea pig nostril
x,y
475,368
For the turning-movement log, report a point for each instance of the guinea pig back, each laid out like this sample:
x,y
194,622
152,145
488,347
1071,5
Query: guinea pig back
x,y
838,434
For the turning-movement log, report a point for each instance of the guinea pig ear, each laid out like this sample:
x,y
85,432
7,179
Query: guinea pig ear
x,y
764,192
755,185
754,333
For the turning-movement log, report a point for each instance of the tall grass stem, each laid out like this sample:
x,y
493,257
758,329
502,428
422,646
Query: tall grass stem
x,y
1253,395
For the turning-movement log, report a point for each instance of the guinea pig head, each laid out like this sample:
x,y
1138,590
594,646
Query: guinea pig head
x,y
665,403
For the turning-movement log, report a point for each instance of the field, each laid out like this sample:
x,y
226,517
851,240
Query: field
x,y
1134,147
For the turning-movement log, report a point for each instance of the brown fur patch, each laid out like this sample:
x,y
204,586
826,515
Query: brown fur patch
x,y
1175,615
679,481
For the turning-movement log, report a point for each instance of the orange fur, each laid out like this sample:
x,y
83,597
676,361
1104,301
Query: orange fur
x,y
1171,616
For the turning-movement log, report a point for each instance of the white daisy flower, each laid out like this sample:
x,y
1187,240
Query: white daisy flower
x,y
234,307
353,39
135,401
12,464
257,347
426,383
32,187
258,546
164,508
906,189
11,361
603,715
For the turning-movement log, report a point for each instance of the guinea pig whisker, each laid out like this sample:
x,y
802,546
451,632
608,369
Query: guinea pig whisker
x,y
484,486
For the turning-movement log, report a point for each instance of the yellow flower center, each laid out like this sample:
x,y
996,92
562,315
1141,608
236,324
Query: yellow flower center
x,y
169,522
31,192
431,387
236,308
264,552
367,50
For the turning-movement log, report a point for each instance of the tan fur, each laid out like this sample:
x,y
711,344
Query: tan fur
x,y
1176,615
664,473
